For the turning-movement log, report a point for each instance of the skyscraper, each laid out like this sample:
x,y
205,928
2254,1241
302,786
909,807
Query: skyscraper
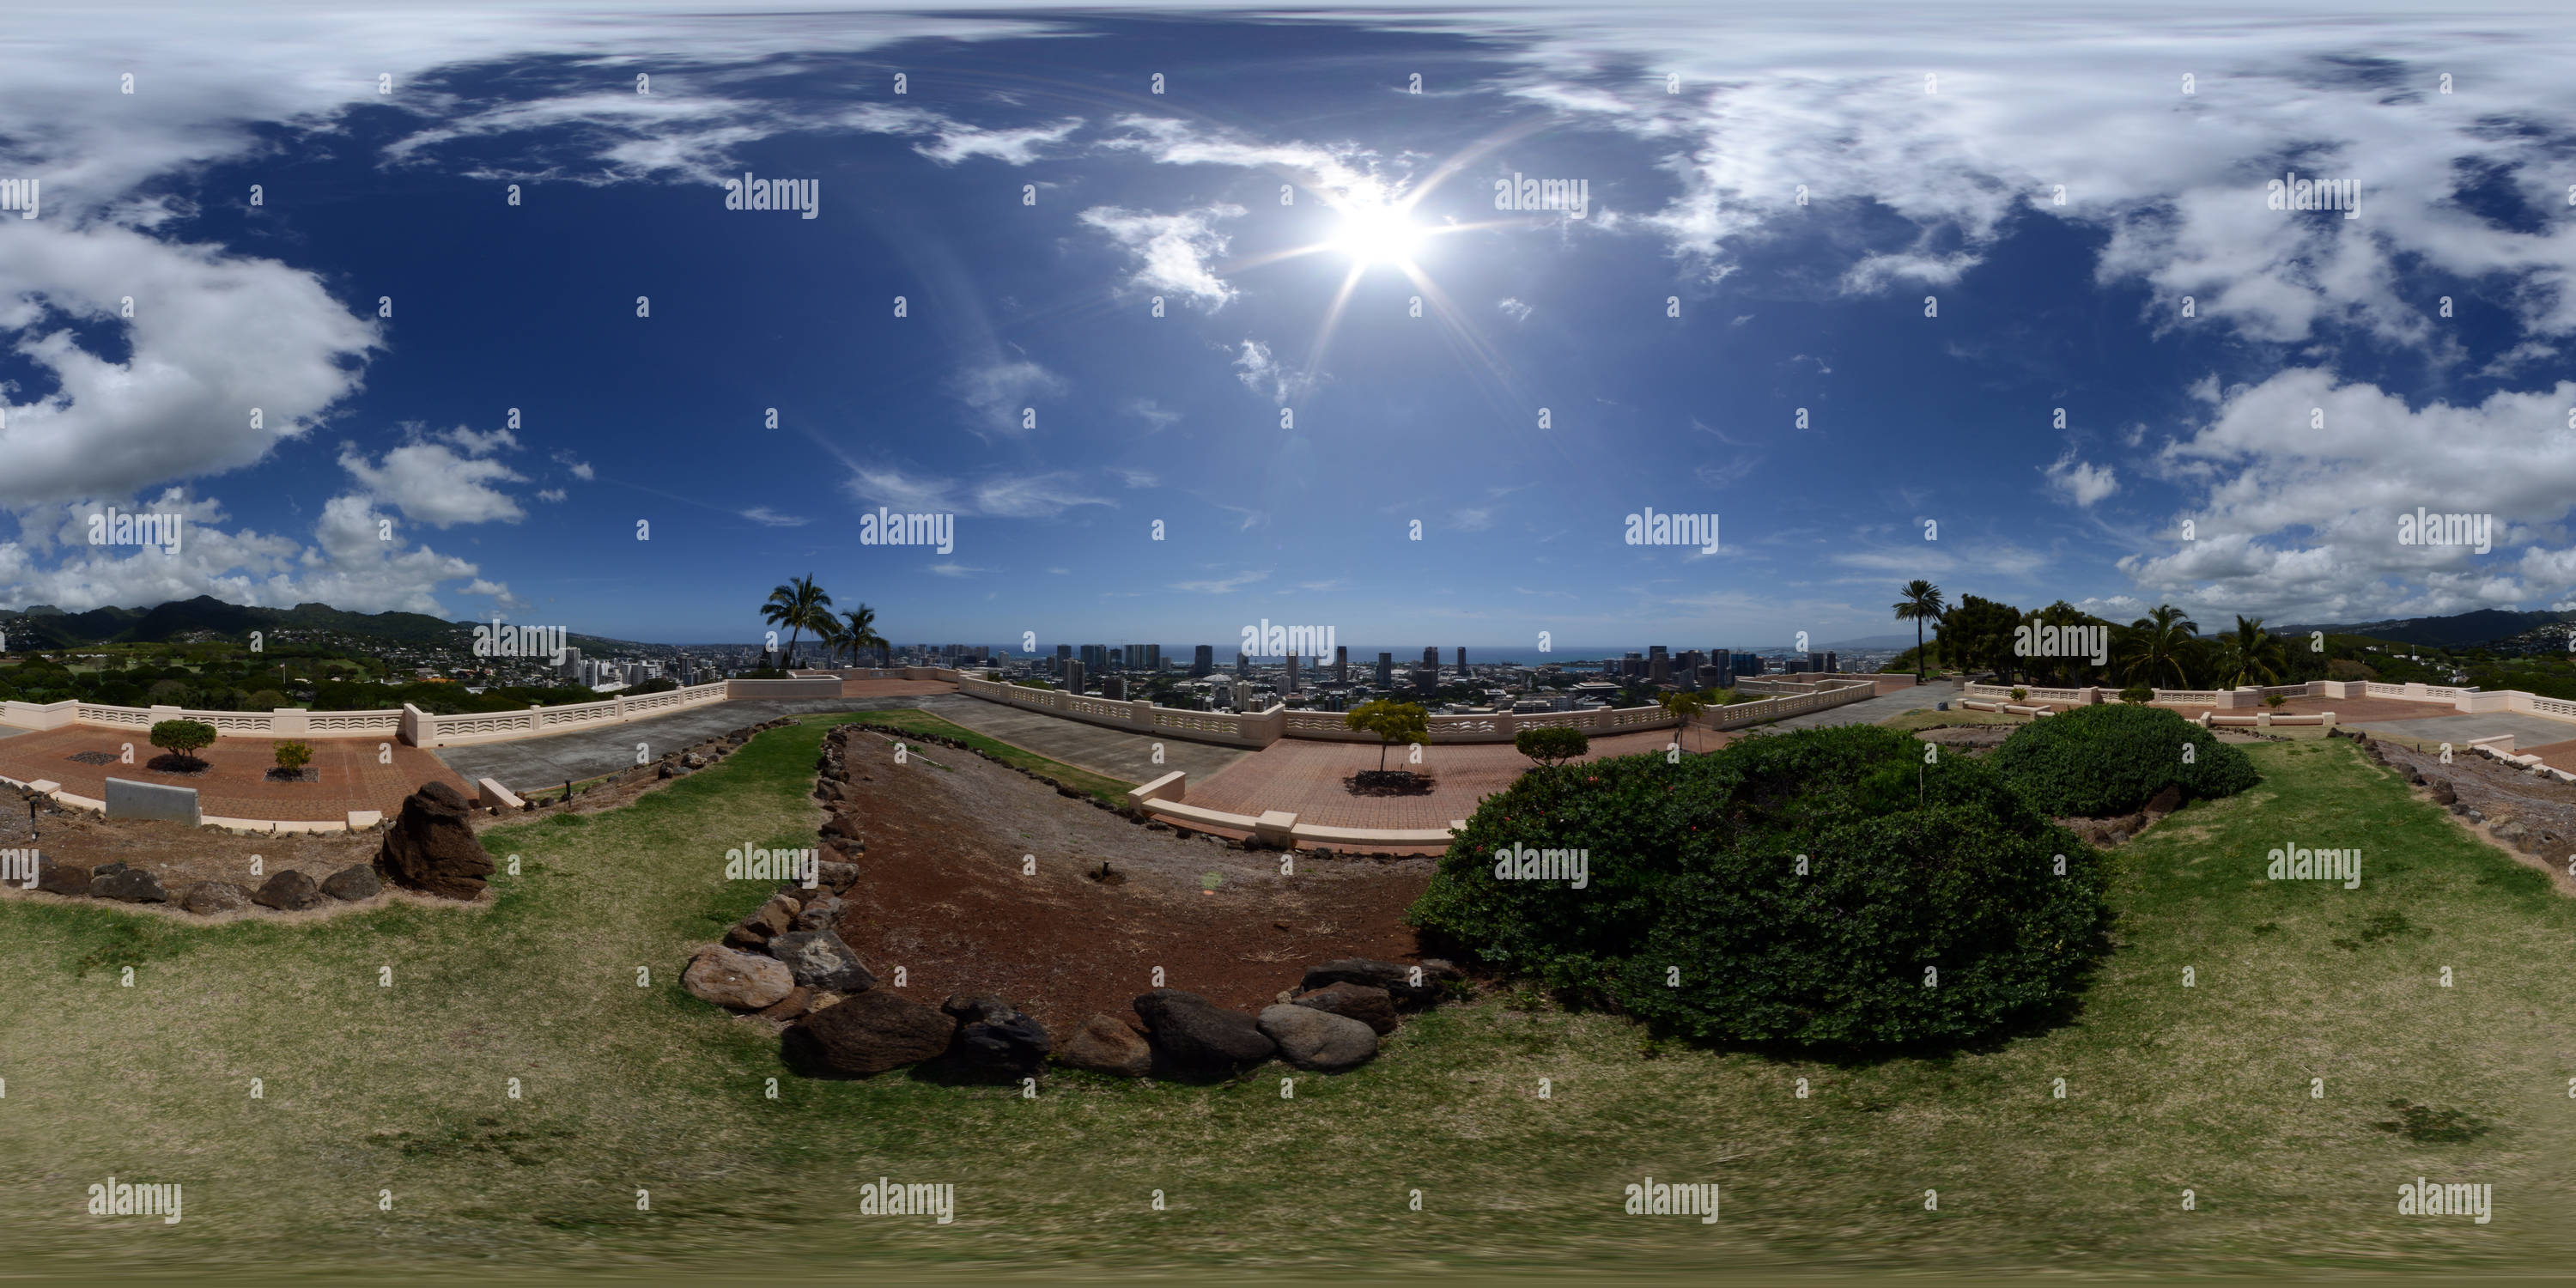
x,y
1072,675
1386,670
1341,664
1154,657
1431,658
1202,661
1292,673
1095,658
1242,666
1462,661
1063,654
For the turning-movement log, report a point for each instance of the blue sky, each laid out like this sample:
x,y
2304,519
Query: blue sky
x,y
1030,197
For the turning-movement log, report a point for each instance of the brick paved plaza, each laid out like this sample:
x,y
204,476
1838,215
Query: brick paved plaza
x,y
347,775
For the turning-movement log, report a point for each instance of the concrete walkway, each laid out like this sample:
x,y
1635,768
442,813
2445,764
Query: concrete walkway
x,y
1871,710
538,763
2527,730
1118,753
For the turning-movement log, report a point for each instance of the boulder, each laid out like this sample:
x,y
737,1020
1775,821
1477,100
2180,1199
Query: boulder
x,y
821,914
796,1003
819,959
867,1034
2165,802
842,825
837,877
2443,792
1104,1044
353,883
129,885
766,922
994,1037
1313,1039
288,891
1370,1006
738,980
431,846
63,878
206,898
1194,1037
1396,978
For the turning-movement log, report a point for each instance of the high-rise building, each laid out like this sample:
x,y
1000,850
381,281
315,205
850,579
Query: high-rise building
x,y
1431,658
1341,664
1242,695
1072,675
1202,661
1242,666
571,663
1748,663
1095,658
1462,661
1427,678
1386,670
1063,654
1815,661
1114,687
1832,663
1659,668
1154,657
1292,673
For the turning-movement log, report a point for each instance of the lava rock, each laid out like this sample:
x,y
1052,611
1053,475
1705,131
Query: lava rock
x,y
2443,792
867,1034
1319,1040
206,898
2166,801
738,980
822,914
288,891
431,846
63,878
1368,1005
353,883
819,959
1396,978
796,1003
1194,1037
128,885
1104,1044
837,877
995,1037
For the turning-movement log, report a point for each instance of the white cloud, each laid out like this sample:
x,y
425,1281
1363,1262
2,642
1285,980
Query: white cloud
x,y
1475,519
2080,482
1220,585
580,468
551,495
1024,496
953,141
2301,524
1155,417
1171,251
1514,309
762,514
1343,173
213,337
1265,375
1136,478
430,483
1002,389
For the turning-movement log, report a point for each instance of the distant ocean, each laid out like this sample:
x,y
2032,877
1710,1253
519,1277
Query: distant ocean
x,y
1366,655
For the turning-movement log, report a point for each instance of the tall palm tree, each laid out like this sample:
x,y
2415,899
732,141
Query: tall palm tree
x,y
1922,603
828,635
795,606
2250,655
2154,647
861,631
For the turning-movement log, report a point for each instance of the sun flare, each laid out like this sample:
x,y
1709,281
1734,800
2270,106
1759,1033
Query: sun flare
x,y
1377,235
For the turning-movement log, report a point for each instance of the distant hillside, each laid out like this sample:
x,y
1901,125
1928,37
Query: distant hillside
x,y
45,626
2460,630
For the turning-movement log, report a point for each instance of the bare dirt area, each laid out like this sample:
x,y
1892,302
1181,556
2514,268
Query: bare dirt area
x,y
2529,816
942,894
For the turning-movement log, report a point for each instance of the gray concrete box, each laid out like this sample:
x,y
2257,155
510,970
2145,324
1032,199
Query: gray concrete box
x,y
127,798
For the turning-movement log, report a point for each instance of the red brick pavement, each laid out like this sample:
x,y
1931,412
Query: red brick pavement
x,y
1305,777
348,775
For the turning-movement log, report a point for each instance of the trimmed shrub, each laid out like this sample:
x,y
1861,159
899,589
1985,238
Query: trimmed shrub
x,y
183,738
1552,744
294,755
2138,694
1695,866
2099,761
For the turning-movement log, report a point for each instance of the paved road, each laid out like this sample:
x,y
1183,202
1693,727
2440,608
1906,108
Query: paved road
x,y
538,763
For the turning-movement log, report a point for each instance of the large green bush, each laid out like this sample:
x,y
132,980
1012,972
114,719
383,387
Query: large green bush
x,y
1695,866
2098,761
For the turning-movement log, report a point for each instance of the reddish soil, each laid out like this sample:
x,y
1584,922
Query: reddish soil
x,y
941,895
348,773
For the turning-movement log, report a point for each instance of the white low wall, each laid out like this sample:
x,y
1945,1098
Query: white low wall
x,y
281,723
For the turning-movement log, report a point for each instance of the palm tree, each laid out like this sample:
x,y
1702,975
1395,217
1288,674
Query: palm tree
x,y
795,606
861,632
2154,645
828,635
1922,603
2250,655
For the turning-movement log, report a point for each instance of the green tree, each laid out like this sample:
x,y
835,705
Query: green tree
x,y
1552,745
2250,655
795,606
1978,634
2155,647
860,631
1922,603
1682,705
183,738
293,756
1392,722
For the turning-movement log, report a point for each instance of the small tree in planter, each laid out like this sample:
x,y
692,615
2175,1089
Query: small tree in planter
x,y
2020,693
183,739
1552,745
2138,695
1392,722
1682,705
2274,700
292,757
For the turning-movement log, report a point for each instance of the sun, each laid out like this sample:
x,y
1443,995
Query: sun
x,y
1377,235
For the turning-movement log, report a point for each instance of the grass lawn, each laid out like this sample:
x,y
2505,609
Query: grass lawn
x,y
370,1088
915,720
